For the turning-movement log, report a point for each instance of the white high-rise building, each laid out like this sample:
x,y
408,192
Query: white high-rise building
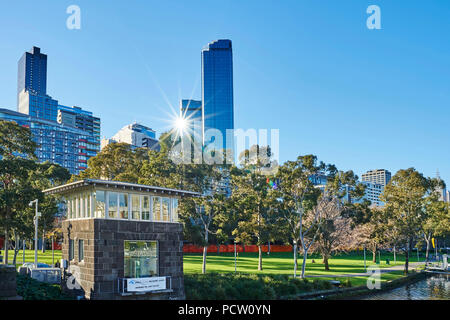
x,y
135,134
379,176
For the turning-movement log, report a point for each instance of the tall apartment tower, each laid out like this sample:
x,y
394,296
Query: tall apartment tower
x,y
217,92
32,72
68,136
379,176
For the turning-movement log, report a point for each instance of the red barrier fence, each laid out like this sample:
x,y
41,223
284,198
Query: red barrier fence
x,y
190,248
56,246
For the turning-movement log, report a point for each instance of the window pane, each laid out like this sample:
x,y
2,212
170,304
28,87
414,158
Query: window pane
x,y
123,205
82,202
80,250
71,250
88,205
141,259
99,204
145,207
165,209
69,208
156,203
112,205
135,207
175,210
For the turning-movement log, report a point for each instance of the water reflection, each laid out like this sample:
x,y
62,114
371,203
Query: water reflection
x,y
436,287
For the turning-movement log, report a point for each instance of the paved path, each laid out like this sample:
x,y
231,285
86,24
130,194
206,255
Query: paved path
x,y
412,265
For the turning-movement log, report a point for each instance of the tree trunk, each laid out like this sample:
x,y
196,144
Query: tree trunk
x,y
325,261
268,248
427,253
407,257
295,260
305,256
374,255
16,249
5,258
205,249
260,258
395,255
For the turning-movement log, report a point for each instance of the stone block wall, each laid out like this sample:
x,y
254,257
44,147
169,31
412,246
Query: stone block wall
x,y
104,254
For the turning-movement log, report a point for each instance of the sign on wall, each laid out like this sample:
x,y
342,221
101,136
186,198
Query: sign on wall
x,y
146,284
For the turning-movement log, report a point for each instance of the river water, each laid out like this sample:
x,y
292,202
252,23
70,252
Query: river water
x,y
435,287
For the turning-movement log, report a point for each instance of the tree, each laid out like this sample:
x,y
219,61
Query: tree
x,y
336,201
118,162
405,197
251,198
21,180
299,203
436,222
17,159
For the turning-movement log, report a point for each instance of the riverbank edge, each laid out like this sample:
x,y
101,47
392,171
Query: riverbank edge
x,y
360,291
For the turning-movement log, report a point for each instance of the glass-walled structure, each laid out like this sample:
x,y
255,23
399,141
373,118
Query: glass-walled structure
x,y
108,204
101,199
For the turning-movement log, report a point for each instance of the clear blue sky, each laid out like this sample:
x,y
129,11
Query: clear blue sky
x,y
361,99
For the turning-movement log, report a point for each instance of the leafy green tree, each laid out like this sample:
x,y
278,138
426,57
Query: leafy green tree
x,y
298,202
251,196
21,180
405,197
436,221
117,162
17,159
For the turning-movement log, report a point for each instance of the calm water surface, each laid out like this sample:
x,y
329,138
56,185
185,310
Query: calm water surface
x,y
435,287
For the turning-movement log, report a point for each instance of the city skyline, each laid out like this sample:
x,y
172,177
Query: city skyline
x,y
383,104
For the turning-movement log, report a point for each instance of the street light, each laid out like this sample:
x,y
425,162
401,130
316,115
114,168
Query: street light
x,y
36,218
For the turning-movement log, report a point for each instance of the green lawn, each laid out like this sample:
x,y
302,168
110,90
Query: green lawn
x,y
45,257
275,263
282,263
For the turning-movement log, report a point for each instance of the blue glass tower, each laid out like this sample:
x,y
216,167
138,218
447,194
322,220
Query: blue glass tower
x,y
217,91
32,72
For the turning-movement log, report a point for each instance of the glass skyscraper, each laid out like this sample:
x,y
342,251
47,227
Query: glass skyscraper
x,y
68,136
191,110
217,92
32,72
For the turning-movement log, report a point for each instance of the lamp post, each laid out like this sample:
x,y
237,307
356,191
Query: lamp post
x,y
36,219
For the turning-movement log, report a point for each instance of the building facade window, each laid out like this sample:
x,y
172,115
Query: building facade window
x,y
123,205
135,207
140,259
71,249
100,204
165,209
80,250
112,205
175,210
145,207
156,208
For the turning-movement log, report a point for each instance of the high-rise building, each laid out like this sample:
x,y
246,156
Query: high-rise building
x,y
136,135
57,143
191,110
375,182
32,72
217,93
68,136
379,176
373,193
83,120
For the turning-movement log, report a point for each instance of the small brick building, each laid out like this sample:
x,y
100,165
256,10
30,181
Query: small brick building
x,y
122,240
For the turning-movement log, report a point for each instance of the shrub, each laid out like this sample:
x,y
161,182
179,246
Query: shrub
x,y
246,286
31,289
